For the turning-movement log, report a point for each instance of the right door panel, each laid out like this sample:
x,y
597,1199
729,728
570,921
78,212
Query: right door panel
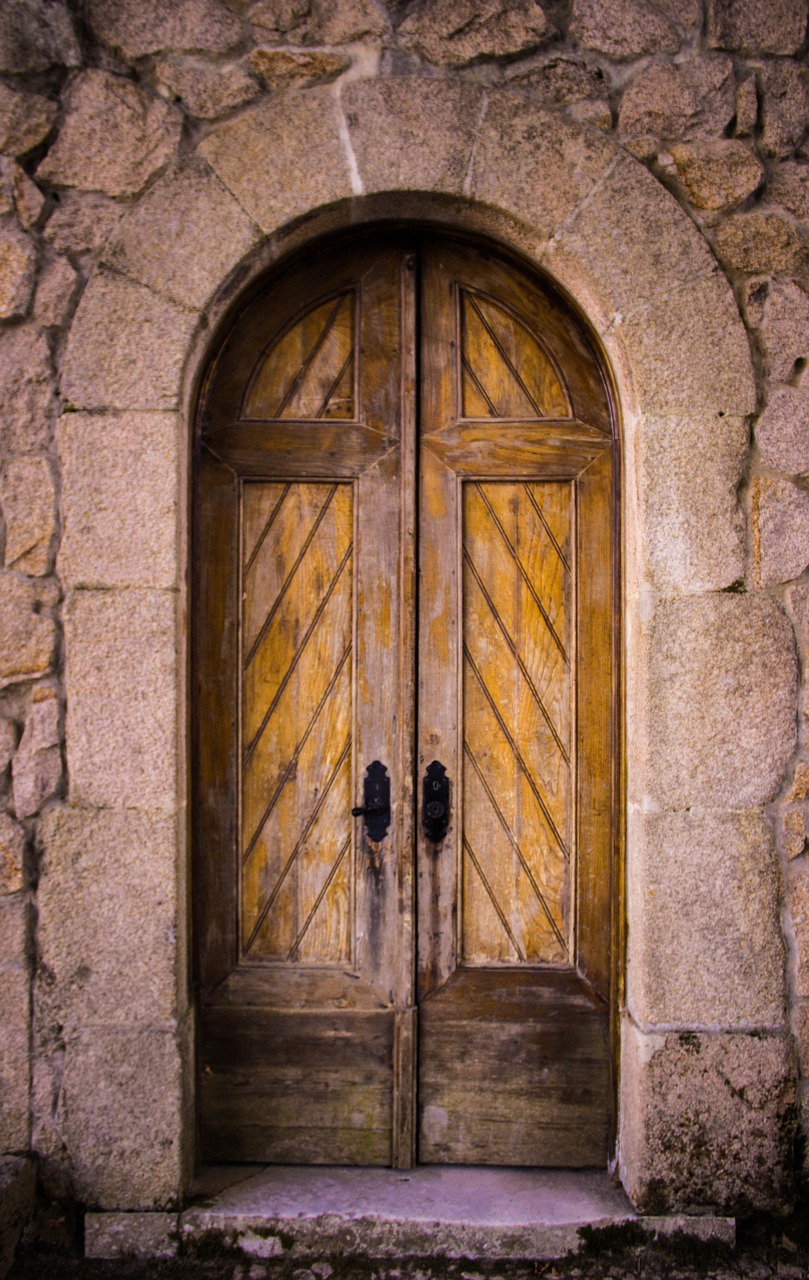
x,y
517,691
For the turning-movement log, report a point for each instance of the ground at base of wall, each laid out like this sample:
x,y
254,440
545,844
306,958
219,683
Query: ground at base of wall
x,y
765,1248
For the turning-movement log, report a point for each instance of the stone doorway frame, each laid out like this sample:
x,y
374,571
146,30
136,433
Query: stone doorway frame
x,y
570,200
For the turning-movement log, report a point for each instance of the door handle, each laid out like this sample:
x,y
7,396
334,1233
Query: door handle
x,y
435,802
375,808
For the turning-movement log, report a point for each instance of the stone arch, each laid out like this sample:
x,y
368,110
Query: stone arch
x,y
571,200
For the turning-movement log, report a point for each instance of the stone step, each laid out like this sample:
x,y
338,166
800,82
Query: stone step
x,y
447,1212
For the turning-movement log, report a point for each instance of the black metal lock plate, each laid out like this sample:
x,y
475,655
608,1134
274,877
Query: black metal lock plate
x,y
376,797
435,802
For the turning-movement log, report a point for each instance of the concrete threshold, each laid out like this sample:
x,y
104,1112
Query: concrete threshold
x,y
430,1211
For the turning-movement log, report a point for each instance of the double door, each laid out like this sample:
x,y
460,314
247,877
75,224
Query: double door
x,y
404,764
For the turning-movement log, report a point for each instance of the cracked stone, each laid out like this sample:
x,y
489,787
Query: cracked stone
x,y
317,21
800,783
716,173
281,68
455,32
207,90
780,530
27,498
789,187
782,432
81,222
54,295
18,260
138,27
26,389
694,99
562,81
114,137
36,769
785,106
25,120
795,832
628,28
12,842
27,637
763,242
785,327
746,107
35,35
26,197
756,26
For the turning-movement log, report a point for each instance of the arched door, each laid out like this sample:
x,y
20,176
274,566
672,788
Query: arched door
x,y
404,604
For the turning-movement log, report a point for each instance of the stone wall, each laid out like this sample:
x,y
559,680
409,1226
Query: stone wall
x,y
648,152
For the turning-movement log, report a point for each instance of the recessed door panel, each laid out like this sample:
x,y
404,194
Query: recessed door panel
x,y
440,992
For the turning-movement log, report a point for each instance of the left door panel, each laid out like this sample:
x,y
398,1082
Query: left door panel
x,y
303,530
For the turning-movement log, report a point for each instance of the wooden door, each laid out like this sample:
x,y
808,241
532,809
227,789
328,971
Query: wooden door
x,y
305,644
516,697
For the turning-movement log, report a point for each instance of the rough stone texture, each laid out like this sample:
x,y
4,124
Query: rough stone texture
x,y
122,670
17,272
782,431
113,139
693,99
693,524
780,530
27,637
628,28
16,1204
424,137
36,34
716,173
795,832
12,855
317,21
27,499
798,898
529,161
25,120
756,26
282,158
785,326
130,1235
55,292
14,1056
120,500
25,196
81,223
600,233
691,353
36,770
789,186
785,106
710,1121
455,32
721,701
283,68
746,107
114,950
137,27
208,90
762,241
705,944
797,598
126,347
121,1105
559,81
8,743
184,236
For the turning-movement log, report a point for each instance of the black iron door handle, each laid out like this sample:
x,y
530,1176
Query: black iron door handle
x,y
376,802
435,802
